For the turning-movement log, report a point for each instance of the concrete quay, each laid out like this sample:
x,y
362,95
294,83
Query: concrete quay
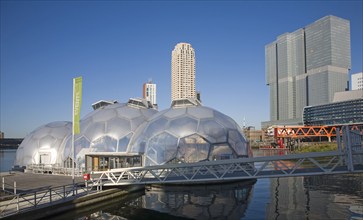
x,y
39,189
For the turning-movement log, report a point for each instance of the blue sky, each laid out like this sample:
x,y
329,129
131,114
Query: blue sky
x,y
118,45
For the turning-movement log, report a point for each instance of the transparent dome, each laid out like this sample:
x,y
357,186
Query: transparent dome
x,y
108,129
189,134
42,146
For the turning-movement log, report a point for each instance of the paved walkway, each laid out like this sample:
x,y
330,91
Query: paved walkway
x,y
29,181
36,191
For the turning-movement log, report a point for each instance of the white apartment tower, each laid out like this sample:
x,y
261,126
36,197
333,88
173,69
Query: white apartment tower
x,y
183,72
357,81
149,92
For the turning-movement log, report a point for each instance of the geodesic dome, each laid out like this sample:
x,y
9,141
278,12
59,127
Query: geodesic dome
x,y
189,134
44,145
108,129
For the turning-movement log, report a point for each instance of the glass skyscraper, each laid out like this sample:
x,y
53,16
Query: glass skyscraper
x,y
306,67
183,72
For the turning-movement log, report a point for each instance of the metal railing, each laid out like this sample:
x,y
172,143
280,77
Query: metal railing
x,y
346,160
21,202
53,169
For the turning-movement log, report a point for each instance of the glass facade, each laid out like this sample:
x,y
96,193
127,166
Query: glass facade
x,y
346,112
187,135
42,145
307,66
109,129
122,135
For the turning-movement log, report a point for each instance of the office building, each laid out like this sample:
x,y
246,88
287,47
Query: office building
x,y
149,92
183,72
306,68
357,81
346,108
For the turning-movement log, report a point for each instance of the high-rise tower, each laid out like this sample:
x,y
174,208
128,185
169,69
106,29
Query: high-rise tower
x,y
183,72
306,67
149,92
357,81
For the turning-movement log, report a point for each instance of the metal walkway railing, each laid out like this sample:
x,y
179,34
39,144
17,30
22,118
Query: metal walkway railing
x,y
347,159
12,204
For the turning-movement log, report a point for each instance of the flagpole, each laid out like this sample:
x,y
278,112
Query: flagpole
x,y
73,159
77,102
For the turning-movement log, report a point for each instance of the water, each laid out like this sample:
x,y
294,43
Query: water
x,y
7,158
316,197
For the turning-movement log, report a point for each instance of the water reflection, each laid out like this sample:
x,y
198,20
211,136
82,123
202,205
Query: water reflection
x,y
224,201
201,202
316,197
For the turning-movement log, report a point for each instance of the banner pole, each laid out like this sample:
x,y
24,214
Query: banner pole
x,y
77,102
73,105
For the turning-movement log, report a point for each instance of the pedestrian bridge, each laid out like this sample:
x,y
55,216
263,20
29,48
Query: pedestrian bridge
x,y
347,159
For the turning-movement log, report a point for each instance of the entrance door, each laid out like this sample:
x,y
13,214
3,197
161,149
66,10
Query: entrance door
x,y
44,158
95,163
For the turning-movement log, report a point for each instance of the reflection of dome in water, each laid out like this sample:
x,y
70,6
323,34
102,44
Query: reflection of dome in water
x,y
42,146
189,134
225,201
109,129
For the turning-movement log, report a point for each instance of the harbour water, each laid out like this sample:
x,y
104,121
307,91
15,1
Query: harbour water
x,y
7,158
315,197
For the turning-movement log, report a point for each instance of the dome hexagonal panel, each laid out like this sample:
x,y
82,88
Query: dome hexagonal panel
x,y
123,143
94,130
79,144
104,114
130,112
175,112
118,127
160,149
222,152
47,141
183,126
238,142
200,112
225,120
212,130
241,149
192,149
155,127
104,144
136,122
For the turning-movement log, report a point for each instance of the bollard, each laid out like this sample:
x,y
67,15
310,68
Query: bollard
x,y
50,195
3,183
35,199
14,188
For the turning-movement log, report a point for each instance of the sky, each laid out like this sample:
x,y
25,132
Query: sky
x,y
116,46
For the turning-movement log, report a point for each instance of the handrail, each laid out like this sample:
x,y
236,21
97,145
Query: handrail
x,y
32,199
54,169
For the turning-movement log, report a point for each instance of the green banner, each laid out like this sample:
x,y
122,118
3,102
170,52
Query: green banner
x,y
77,102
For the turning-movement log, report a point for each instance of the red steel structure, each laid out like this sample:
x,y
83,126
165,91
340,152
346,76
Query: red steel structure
x,y
311,131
